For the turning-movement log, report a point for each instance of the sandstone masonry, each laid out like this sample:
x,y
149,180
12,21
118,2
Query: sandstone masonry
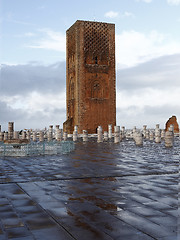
x,y
90,76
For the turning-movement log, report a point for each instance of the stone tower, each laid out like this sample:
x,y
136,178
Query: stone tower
x,y
90,76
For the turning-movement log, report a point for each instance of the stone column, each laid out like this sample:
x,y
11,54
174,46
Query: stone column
x,y
105,136
85,136
6,136
138,139
147,134
99,134
50,133
28,135
162,134
1,136
151,136
169,138
34,136
157,134
16,135
10,130
144,130
110,131
41,136
65,136
75,134
56,131
116,134
59,135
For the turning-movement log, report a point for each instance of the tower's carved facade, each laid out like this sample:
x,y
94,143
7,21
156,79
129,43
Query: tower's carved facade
x,y
90,76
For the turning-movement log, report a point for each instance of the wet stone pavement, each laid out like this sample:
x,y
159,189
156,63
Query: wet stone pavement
x,y
100,191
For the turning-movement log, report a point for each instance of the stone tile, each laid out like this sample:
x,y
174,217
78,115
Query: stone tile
x,y
12,222
17,232
144,225
38,221
56,233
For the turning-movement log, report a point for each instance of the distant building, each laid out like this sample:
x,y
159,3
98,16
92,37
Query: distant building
x,y
90,76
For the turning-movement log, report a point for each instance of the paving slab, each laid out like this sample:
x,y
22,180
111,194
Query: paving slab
x,y
99,191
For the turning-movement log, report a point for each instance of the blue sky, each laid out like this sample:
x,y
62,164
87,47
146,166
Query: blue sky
x,y
32,36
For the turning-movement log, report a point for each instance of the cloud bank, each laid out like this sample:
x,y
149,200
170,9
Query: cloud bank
x,y
33,95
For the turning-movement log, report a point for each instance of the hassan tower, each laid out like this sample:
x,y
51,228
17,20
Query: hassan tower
x,y
90,76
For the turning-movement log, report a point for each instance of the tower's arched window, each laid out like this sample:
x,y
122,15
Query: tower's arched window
x,y
96,90
96,60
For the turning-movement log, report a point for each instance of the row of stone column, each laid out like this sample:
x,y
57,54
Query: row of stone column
x,y
156,136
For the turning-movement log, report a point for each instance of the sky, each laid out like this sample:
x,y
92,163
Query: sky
x,y
33,53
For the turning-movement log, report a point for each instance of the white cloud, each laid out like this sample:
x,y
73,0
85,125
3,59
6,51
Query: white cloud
x,y
51,40
128,14
134,47
111,14
173,2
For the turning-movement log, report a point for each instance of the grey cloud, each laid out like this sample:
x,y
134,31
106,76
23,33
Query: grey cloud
x,y
26,119
150,115
159,73
22,79
9,114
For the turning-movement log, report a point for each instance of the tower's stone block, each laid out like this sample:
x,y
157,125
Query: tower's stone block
x,y
90,76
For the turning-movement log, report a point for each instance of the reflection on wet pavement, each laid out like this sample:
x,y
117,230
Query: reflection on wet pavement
x,y
99,191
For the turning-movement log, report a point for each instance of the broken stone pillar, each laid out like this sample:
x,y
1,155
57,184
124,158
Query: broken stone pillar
x,y
34,136
147,134
110,131
157,134
169,138
75,134
1,136
28,135
144,130
162,134
49,136
138,138
65,136
85,136
10,130
105,136
116,134
16,135
5,136
151,136
58,135
41,136
99,134
50,133
56,131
